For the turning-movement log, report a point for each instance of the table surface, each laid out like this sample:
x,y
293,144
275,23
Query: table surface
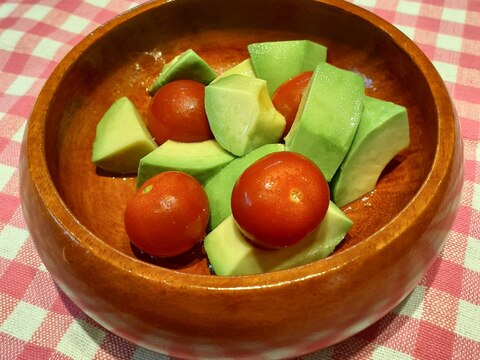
x,y
439,320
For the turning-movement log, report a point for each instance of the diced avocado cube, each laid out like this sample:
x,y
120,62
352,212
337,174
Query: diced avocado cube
x,y
241,114
121,139
279,61
230,253
199,159
243,68
382,133
327,117
185,66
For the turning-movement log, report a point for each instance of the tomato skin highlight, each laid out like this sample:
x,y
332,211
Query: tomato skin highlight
x,y
168,215
287,97
280,199
177,112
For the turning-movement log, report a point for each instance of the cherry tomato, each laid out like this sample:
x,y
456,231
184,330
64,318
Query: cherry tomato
x,y
280,199
286,98
168,214
177,112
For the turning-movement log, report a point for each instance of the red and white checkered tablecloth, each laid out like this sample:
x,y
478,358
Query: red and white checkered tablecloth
x,y
439,320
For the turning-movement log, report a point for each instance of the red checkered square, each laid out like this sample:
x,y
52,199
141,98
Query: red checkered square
x,y
462,221
451,28
467,93
394,331
17,219
446,277
59,356
16,63
40,291
7,304
3,143
16,279
115,347
64,306
471,287
10,155
10,347
438,307
429,334
475,227
51,330
455,249
469,60
470,171
23,106
103,16
12,187
4,263
28,255
9,126
10,204
471,32
447,56
36,352
466,349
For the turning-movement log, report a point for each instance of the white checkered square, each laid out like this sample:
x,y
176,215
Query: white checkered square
x,y
409,7
81,340
23,321
47,48
11,241
75,24
37,12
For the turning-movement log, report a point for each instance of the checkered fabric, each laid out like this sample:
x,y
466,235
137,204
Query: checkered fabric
x,y
439,320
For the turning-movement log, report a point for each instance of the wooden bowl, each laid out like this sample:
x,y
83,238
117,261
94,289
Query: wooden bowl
x,y
75,212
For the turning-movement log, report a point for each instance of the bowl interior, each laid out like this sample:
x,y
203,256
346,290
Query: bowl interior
x,y
123,60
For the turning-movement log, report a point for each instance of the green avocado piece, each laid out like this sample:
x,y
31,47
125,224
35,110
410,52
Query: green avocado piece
x,y
230,253
185,66
328,117
198,159
219,187
382,133
241,114
243,68
121,139
279,61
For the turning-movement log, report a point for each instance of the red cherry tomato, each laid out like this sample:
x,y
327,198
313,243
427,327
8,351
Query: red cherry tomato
x,y
280,199
177,112
286,98
168,215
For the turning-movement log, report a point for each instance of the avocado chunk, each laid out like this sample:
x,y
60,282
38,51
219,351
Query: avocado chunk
x,y
241,114
243,68
382,133
219,187
279,61
198,159
328,117
121,139
230,253
185,66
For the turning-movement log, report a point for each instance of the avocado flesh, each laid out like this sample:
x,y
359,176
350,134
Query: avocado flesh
x,y
219,187
241,114
244,68
382,133
185,66
230,253
327,118
198,159
279,61
121,139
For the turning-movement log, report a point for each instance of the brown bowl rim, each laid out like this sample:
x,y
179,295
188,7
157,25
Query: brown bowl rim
x,y
415,207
